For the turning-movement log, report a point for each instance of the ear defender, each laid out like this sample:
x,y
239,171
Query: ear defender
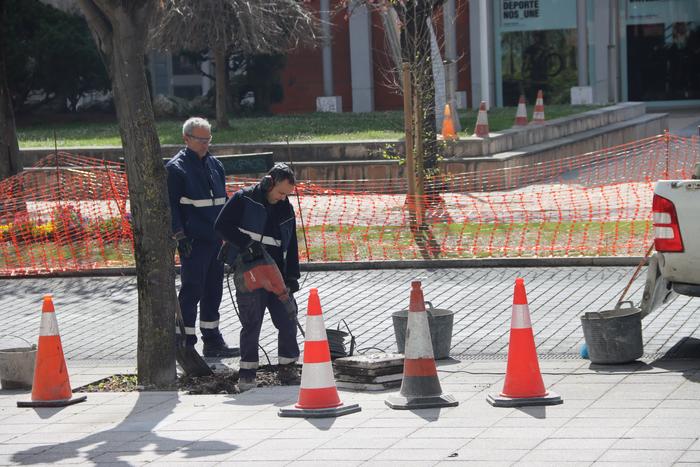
x,y
266,183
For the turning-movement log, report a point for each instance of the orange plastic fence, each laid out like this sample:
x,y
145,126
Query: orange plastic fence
x,y
71,213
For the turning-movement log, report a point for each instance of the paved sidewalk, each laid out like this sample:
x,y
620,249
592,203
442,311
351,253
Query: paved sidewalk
x,y
641,414
98,316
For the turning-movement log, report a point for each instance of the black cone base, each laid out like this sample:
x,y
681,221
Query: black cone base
x,y
58,403
399,402
497,400
320,413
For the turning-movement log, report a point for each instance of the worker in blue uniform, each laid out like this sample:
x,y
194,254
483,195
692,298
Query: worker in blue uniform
x,y
197,192
255,218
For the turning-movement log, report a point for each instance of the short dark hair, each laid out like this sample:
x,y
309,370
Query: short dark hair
x,y
281,171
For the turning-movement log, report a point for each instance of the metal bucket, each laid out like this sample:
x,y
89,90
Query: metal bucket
x,y
614,336
440,323
17,367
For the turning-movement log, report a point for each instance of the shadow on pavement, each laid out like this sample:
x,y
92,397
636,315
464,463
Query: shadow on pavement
x,y
132,437
683,357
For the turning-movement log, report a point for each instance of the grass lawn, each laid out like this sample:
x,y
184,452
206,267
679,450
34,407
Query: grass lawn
x,y
348,243
304,127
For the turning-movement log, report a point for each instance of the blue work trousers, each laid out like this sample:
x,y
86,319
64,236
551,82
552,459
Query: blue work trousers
x,y
251,306
202,276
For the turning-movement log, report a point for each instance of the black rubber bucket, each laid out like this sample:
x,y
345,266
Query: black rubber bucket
x,y
440,323
614,336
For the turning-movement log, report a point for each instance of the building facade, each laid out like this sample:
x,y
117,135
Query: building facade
x,y
580,51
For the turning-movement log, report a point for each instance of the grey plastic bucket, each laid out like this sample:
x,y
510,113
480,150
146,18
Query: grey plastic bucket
x,y
614,336
440,323
17,367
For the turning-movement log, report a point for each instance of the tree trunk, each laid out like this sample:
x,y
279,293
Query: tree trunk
x,y
221,87
10,159
120,32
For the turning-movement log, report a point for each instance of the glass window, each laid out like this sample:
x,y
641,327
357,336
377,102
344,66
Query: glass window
x,y
663,49
535,49
534,60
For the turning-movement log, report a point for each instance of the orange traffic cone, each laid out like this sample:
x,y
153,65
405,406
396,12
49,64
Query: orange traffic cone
x,y
448,127
482,122
538,114
318,395
523,384
420,387
51,387
521,113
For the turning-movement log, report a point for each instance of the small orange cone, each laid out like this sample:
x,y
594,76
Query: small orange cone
x,y
523,385
538,114
448,127
420,387
318,395
521,113
51,386
482,122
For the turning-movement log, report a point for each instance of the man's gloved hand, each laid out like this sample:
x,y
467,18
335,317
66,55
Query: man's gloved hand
x,y
184,244
292,285
253,251
184,247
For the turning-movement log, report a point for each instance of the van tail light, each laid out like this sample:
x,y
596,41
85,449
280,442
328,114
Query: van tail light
x,y
667,232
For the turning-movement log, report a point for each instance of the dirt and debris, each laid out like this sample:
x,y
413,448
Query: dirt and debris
x,y
221,382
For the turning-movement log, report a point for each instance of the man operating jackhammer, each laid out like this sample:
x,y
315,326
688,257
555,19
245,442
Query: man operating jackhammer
x,y
256,218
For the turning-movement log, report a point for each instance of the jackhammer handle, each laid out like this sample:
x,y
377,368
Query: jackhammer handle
x,y
303,334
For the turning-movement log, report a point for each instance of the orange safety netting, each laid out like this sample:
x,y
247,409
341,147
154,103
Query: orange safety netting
x,y
72,213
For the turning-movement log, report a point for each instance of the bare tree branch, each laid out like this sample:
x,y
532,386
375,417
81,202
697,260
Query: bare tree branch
x,y
240,26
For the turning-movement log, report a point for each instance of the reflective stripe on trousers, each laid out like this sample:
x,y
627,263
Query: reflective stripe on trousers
x,y
252,309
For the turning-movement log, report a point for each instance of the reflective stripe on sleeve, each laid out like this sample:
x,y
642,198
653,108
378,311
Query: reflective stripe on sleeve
x,y
203,203
262,238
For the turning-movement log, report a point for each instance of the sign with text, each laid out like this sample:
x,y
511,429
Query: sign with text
x,y
534,15
662,11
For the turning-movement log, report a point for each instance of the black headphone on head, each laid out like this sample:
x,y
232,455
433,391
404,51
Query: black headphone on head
x,y
268,181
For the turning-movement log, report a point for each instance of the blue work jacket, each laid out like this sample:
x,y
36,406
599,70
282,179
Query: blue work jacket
x,y
243,219
197,192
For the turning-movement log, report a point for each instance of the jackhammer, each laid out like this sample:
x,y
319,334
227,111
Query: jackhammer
x,y
262,273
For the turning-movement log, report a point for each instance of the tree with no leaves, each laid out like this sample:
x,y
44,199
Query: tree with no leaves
x,y
407,25
233,26
10,159
120,32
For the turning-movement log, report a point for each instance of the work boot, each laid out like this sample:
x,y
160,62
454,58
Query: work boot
x,y
246,383
217,348
288,374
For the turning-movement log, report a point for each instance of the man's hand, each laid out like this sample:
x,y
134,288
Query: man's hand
x,y
253,251
184,247
184,244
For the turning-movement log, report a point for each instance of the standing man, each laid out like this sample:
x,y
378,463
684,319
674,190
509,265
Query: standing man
x,y
197,191
257,217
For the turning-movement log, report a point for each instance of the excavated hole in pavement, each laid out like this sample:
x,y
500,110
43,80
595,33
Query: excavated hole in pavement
x,y
221,382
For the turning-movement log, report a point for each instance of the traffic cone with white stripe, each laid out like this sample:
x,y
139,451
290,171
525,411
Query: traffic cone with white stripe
x,y
420,387
318,395
482,122
538,114
51,385
523,385
521,113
